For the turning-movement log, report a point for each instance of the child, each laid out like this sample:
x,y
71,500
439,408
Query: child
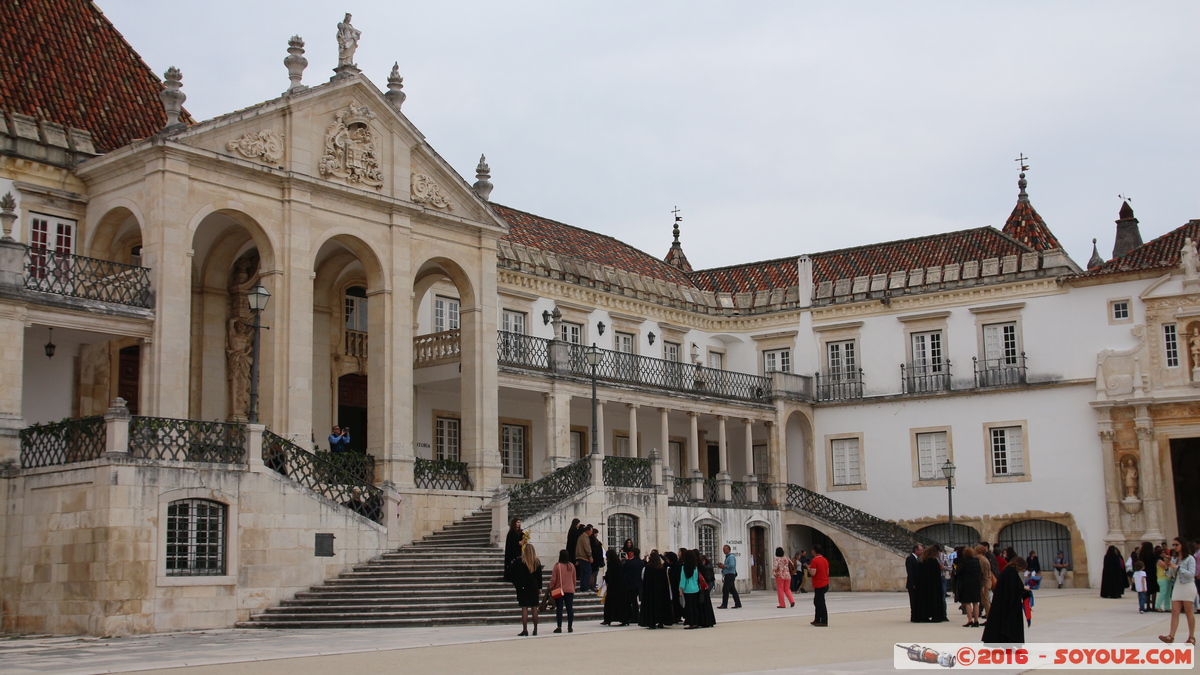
x,y
1139,585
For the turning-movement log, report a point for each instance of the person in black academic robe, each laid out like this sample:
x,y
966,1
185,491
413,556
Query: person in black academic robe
x,y
708,617
673,573
1112,575
912,566
512,548
930,601
573,536
1006,620
656,595
616,598
633,583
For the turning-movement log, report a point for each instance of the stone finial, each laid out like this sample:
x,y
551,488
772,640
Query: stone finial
x,y
172,98
295,63
347,39
1095,261
8,215
483,187
395,93
1022,184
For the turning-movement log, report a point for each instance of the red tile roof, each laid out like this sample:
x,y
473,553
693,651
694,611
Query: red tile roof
x,y
758,276
1027,227
932,250
676,258
549,235
1159,253
63,61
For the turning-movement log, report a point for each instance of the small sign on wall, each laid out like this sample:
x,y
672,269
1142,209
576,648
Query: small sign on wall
x,y
323,546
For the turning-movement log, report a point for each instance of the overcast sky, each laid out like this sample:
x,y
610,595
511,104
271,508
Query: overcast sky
x,y
777,128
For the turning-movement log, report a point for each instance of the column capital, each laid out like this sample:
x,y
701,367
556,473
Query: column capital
x,y
722,418
664,410
747,420
693,413
768,423
632,406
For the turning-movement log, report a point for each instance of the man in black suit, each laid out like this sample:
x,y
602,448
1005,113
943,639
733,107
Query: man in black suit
x,y
633,581
912,564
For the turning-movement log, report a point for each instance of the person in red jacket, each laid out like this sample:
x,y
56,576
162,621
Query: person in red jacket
x,y
820,580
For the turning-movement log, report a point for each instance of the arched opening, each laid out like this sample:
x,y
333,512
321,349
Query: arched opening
x,y
759,561
963,535
802,538
798,441
1044,536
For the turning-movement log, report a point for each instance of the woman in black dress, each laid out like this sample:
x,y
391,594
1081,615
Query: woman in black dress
x,y
573,536
672,564
970,578
526,573
616,599
710,578
656,595
1006,620
931,600
1112,575
512,547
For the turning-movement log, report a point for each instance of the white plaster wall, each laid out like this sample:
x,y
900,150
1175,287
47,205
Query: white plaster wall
x,y
48,384
427,402
733,529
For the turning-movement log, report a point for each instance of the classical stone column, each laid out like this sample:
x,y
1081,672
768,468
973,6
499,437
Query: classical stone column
x,y
1112,487
166,251
600,427
665,439
724,481
558,429
750,479
1151,476
693,453
634,450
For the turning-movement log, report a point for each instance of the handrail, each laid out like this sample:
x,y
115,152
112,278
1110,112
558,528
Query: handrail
x,y
322,476
627,472
920,378
441,474
529,498
1002,372
435,348
840,386
872,528
65,442
187,440
78,276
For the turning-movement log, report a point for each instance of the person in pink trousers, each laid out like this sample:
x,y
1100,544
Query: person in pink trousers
x,y
784,568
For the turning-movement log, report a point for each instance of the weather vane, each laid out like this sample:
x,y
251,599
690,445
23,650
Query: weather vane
x,y
677,216
1021,159
1125,199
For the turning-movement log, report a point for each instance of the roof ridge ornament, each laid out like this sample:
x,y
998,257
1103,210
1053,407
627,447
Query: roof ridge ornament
x,y
171,96
8,216
395,93
483,186
295,63
347,39
1022,183
675,231
1095,261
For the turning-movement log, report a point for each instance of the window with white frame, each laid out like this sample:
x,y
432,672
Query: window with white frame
x,y
671,351
512,450
760,463
578,447
625,366
623,342
1007,451
196,538
1000,345
512,327
621,447
512,321
1171,345
777,360
841,360
571,332
356,309
927,353
51,241
445,314
933,449
716,360
446,438
847,463
1118,310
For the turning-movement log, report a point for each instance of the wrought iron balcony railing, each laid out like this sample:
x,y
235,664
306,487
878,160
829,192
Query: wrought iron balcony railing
x,y
712,493
437,348
66,442
441,474
322,476
539,495
846,385
1007,371
681,491
524,351
850,519
75,276
627,472
922,378
187,440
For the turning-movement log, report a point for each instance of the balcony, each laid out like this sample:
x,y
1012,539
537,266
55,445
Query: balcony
x,y
840,386
437,348
923,378
356,343
1008,371
528,352
75,276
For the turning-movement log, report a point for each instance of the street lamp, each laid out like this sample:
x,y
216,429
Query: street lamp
x,y
257,297
948,472
593,355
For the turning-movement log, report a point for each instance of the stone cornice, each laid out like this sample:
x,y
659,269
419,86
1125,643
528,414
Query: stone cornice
x,y
949,299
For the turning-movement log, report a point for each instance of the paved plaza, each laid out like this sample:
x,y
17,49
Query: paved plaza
x,y
756,639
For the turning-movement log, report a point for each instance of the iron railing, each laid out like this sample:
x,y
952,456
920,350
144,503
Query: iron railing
x,y
860,523
840,386
627,472
1003,372
88,278
922,378
681,491
524,351
436,348
322,476
187,440
539,495
65,442
738,494
358,464
441,474
356,343
712,493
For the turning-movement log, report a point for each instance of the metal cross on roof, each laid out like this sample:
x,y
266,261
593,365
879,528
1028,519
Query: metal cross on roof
x,y
1021,159
677,216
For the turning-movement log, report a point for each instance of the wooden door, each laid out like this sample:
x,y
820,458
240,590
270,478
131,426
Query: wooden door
x,y
129,370
758,551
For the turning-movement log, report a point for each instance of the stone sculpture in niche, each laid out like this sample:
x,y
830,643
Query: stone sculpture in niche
x,y
239,337
425,191
350,151
266,144
1129,477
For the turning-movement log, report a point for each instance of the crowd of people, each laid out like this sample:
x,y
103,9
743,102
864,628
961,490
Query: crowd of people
x,y
655,590
1163,577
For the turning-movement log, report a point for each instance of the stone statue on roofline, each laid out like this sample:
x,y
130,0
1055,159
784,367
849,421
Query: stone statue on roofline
x,y
1187,257
347,37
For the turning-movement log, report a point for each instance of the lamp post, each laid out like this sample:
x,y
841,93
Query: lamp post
x,y
257,297
593,354
948,472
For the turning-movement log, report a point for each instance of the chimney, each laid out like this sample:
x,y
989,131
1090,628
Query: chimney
x,y
1129,236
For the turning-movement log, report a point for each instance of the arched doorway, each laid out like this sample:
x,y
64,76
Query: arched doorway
x,y
759,560
797,440
964,535
1044,536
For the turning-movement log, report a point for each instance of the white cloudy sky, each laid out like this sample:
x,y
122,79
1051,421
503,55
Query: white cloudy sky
x,y
777,128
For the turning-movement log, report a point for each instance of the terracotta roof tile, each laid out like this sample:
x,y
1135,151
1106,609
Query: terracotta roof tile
x,y
1027,227
932,250
757,276
1159,253
63,61
549,235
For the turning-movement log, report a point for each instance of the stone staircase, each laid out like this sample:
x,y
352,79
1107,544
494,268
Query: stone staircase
x,y
451,577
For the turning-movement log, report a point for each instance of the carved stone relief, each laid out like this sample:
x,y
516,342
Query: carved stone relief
x,y
239,336
1118,370
425,191
350,148
265,144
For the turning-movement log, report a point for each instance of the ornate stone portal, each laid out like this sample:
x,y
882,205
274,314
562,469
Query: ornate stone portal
x,y
350,150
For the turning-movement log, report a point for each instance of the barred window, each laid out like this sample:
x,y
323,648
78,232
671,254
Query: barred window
x,y
621,526
1171,345
195,538
706,536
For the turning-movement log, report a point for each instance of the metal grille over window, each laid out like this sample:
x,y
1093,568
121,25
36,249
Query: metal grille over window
x,y
195,538
1044,536
706,536
621,526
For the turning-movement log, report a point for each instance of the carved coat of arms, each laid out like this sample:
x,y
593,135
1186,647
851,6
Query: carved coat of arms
x,y
350,148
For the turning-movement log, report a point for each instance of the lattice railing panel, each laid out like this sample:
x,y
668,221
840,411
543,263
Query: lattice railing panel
x,y
539,495
524,351
66,442
187,440
79,277
865,525
322,476
676,375
681,491
441,474
627,472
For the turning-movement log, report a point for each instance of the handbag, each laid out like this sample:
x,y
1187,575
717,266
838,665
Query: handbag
x,y
557,593
545,604
703,583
